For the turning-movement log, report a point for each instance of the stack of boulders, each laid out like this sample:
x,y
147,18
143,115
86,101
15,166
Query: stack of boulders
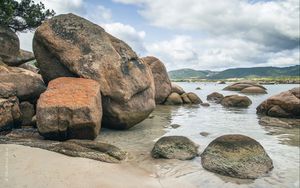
x,y
247,87
93,78
230,100
178,96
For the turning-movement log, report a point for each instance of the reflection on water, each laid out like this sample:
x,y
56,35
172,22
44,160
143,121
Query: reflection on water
x,y
281,144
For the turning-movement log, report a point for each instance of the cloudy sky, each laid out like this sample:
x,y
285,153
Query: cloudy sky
x,y
198,34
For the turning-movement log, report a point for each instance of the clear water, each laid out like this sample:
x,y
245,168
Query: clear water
x,y
281,144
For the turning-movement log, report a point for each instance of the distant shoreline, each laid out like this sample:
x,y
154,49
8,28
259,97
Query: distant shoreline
x,y
261,80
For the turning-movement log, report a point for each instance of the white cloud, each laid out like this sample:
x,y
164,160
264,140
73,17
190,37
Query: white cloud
x,y
231,33
128,34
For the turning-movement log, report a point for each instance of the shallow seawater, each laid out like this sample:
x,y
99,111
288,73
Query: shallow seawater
x,y
281,144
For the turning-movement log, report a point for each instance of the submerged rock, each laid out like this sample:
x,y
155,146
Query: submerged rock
x,y
70,108
161,79
174,99
236,101
279,122
285,104
215,97
237,156
71,46
205,134
175,147
254,90
75,148
28,85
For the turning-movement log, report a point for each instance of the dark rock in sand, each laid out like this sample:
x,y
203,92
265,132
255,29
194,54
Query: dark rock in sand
x,y
174,99
161,79
75,148
71,46
175,147
27,111
237,156
285,105
28,85
70,108
215,97
236,101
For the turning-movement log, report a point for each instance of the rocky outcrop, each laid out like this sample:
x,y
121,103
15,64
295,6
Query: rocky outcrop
x,y
174,99
70,108
75,148
161,79
254,90
237,156
68,45
28,85
285,105
236,101
215,97
175,147
177,89
239,86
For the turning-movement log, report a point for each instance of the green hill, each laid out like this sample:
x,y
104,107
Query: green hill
x,y
236,73
188,73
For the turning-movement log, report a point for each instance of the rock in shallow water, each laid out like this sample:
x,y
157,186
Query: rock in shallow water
x,y
237,156
71,46
174,99
70,108
175,147
236,101
215,97
285,104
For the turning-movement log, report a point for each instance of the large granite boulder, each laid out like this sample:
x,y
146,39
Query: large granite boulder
x,y
174,99
285,105
175,147
9,43
239,86
161,79
237,156
194,98
71,46
236,101
215,97
28,85
70,108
